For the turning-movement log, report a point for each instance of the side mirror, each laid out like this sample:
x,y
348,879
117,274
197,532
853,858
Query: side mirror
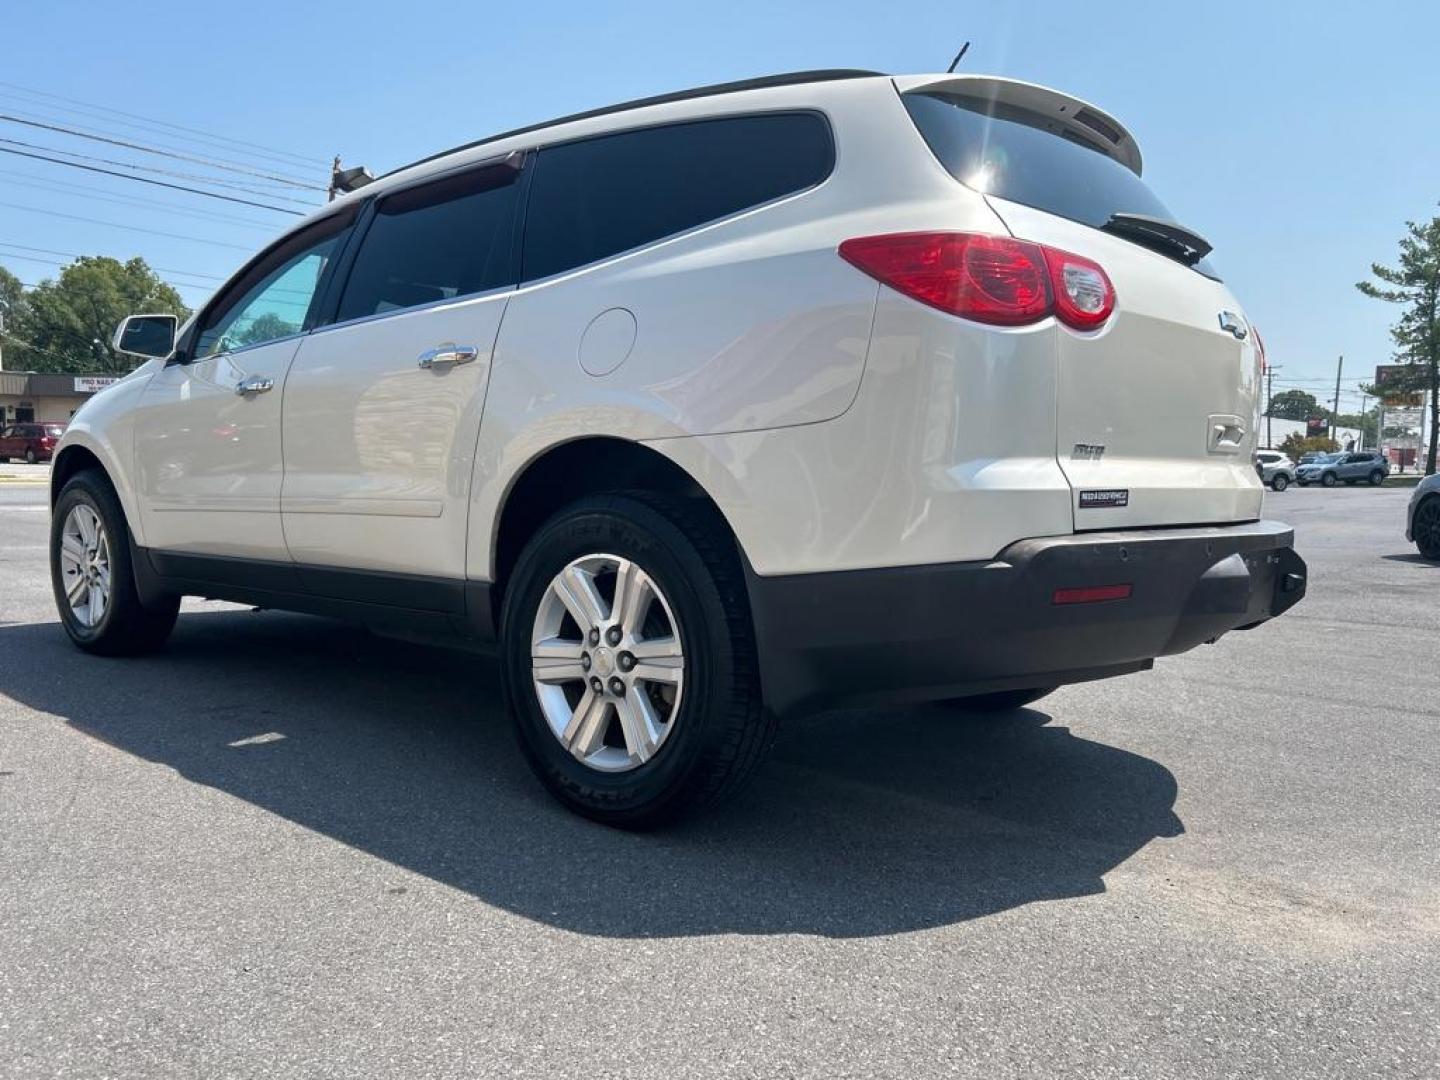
x,y
146,335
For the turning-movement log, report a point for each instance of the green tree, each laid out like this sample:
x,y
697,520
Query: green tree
x,y
1414,283
66,324
1294,405
12,313
1295,445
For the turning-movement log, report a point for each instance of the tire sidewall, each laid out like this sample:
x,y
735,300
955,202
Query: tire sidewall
x,y
632,530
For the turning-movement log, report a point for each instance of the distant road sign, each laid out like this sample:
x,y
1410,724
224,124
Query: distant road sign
x,y
1398,373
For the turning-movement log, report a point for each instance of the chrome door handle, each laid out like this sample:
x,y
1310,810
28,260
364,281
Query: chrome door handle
x,y
448,354
255,384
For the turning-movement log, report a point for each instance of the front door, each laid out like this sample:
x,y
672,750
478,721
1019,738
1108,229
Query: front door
x,y
382,408
207,429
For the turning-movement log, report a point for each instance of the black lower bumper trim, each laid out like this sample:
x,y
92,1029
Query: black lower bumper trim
x,y
920,633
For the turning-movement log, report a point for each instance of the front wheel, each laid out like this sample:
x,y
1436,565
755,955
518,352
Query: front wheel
x,y
1280,483
93,579
1426,527
1328,479
629,661
1376,478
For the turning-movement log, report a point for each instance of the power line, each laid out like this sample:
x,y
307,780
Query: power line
x,y
246,159
198,177
132,228
71,262
74,255
210,162
144,179
90,107
63,187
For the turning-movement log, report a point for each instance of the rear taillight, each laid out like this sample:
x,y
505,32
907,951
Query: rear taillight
x,y
991,279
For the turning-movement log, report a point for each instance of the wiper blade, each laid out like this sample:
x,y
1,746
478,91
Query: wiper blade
x,y
1172,239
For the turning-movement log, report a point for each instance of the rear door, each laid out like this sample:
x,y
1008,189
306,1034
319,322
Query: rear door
x,y
1155,411
382,407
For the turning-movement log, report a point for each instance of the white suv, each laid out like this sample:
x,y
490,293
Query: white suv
x,y
708,410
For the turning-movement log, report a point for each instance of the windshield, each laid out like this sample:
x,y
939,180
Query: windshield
x,y
1013,154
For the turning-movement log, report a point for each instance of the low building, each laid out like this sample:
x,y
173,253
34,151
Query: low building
x,y
1280,429
27,396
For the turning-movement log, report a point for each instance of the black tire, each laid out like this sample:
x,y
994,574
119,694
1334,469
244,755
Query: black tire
x,y
30,458
1328,479
1280,483
128,627
721,731
1426,527
1002,700
1376,477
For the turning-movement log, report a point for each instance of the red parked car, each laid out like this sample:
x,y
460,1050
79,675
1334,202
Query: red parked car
x,y
31,441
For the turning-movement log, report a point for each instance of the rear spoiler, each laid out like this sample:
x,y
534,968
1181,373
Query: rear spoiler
x,y
1075,118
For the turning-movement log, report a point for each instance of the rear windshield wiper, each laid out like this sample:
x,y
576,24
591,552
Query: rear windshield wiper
x,y
1164,236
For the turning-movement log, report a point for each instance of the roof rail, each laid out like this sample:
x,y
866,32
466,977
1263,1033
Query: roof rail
x,y
788,79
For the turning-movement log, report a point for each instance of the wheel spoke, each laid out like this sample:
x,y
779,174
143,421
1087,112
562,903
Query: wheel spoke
x,y
556,660
98,599
85,522
633,593
585,734
75,589
71,548
576,589
640,725
658,648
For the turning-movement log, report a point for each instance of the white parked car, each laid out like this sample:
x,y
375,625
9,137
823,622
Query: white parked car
x,y
710,409
1422,517
1276,469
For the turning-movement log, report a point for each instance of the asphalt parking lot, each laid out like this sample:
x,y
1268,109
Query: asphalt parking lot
x,y
285,847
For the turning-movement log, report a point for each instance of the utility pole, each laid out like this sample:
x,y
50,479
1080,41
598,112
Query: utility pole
x,y
1335,412
1269,402
1364,398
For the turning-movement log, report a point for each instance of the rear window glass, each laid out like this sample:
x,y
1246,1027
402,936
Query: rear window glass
x,y
1013,155
598,197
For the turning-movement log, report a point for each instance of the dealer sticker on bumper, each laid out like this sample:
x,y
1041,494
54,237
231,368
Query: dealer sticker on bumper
x,y
1096,500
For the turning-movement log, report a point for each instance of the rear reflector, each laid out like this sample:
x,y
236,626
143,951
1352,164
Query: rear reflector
x,y
990,279
1091,594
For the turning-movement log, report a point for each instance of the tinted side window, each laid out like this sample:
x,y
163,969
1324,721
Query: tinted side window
x,y
450,238
598,197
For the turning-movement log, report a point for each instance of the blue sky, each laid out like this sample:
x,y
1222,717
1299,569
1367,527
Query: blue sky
x,y
1298,137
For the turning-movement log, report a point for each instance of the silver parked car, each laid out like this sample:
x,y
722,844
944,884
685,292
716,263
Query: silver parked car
x,y
1422,519
1369,465
1277,471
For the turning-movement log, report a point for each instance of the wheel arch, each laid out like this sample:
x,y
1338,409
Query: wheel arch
x,y
583,466
80,451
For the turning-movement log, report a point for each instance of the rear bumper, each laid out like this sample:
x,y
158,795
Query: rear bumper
x,y
920,633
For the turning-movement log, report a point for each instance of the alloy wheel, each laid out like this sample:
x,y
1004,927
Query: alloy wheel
x,y
607,662
85,565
